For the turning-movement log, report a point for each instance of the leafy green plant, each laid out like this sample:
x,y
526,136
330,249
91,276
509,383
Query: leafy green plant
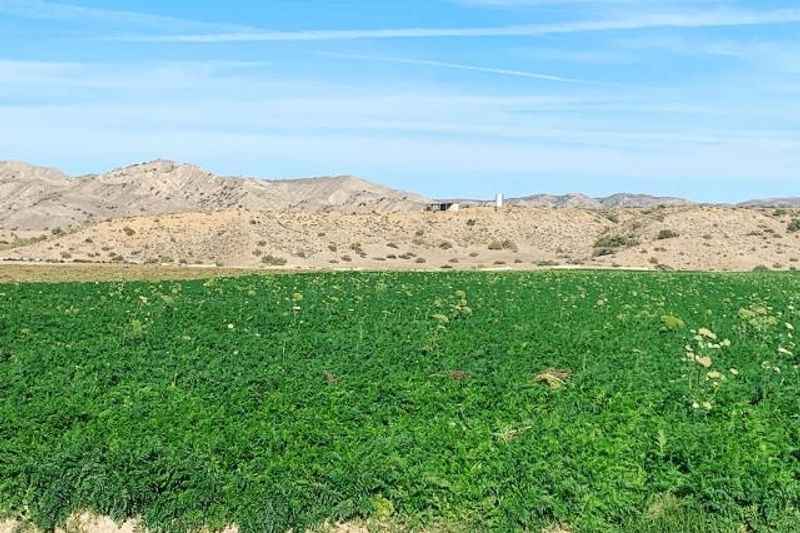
x,y
469,401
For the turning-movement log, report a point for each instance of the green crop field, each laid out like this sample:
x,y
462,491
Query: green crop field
x,y
457,401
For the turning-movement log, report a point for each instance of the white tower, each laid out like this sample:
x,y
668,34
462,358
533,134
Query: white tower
x,y
499,201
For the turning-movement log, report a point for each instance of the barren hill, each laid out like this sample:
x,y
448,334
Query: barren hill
x,y
575,200
38,198
166,212
686,237
641,200
586,202
791,202
23,187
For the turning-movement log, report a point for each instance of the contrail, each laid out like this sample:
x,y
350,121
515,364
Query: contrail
x,y
459,66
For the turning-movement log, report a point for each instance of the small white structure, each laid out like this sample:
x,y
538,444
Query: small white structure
x,y
499,201
443,205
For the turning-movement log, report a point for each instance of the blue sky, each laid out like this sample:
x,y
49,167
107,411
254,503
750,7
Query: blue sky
x,y
698,98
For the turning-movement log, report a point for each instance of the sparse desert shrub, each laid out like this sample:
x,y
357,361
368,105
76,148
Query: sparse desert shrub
x,y
616,241
129,231
419,233
495,245
420,260
272,260
333,247
474,254
391,256
57,232
392,245
257,252
347,259
610,216
667,234
794,225
471,222
761,268
88,240
445,245
779,212
66,255
261,244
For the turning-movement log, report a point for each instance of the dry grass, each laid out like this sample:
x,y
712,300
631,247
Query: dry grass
x,y
13,273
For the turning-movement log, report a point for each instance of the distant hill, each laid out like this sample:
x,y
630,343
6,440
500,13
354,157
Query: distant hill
x,y
641,200
34,197
579,200
793,202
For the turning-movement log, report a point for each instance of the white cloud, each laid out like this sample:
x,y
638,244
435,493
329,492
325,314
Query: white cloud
x,y
693,19
45,10
35,76
589,3
762,54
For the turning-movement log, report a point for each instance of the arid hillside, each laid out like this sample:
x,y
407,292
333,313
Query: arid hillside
x,y
691,237
179,214
36,198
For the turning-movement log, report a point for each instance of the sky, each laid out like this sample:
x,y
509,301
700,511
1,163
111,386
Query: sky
x,y
448,98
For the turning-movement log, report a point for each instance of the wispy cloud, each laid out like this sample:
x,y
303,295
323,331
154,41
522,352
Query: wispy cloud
x,y
45,10
777,55
459,66
21,77
699,19
548,3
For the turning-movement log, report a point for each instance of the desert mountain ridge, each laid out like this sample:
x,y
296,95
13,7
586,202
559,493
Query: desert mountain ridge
x,y
35,197
163,212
